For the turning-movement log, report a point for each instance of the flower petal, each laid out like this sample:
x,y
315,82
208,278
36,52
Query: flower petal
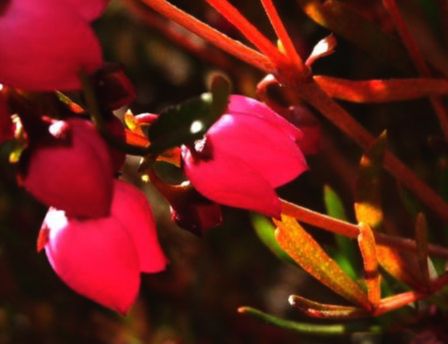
x,y
248,106
44,46
76,177
230,181
131,208
262,146
96,258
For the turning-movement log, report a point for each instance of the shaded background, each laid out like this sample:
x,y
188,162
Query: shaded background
x,y
196,298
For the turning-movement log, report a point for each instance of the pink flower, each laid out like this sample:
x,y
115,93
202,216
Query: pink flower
x,y
45,44
72,173
90,9
244,156
102,258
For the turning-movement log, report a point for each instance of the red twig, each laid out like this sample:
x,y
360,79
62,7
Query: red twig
x,y
351,230
248,30
283,35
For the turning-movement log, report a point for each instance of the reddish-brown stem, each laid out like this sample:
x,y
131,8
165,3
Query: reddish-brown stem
x,y
313,94
248,30
212,35
351,230
417,59
283,35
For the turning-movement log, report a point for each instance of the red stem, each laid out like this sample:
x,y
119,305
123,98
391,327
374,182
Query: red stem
x,y
283,35
417,59
351,230
212,35
248,30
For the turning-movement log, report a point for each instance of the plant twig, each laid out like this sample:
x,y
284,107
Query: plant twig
x,y
351,230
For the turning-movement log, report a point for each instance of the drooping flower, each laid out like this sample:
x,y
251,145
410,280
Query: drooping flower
x,y
72,173
244,156
102,258
45,44
91,9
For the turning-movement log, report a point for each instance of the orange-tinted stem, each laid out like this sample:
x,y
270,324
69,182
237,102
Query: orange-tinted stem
x,y
351,230
248,30
283,35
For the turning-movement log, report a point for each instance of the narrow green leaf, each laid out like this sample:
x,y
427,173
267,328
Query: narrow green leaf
x,y
265,231
307,328
306,252
346,251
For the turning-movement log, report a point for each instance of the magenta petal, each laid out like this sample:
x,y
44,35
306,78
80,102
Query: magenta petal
x,y
263,147
90,9
44,45
248,106
228,180
76,177
131,208
96,258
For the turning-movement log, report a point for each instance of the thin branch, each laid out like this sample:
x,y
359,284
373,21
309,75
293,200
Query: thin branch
x,y
351,230
212,35
283,35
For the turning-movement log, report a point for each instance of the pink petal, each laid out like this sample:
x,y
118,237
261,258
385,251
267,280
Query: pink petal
x,y
230,181
96,258
248,106
76,177
44,45
260,145
131,208
89,9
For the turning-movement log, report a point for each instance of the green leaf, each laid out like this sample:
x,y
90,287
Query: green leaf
x,y
346,251
190,120
265,231
306,252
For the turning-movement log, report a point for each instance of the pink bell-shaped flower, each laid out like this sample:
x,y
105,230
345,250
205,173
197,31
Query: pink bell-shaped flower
x,y
96,258
244,156
73,174
45,44
102,258
131,208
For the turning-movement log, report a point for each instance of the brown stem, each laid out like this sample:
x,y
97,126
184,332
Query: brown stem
x,y
351,230
417,59
313,94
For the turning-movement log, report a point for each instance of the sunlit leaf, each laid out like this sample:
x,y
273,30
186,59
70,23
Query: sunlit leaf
x,y
366,242
380,91
136,139
346,249
346,22
325,311
368,193
306,252
265,231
